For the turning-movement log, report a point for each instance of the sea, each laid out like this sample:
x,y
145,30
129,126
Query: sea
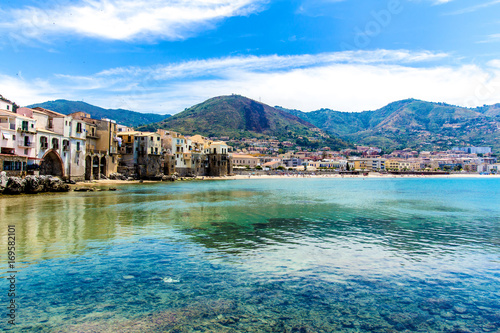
x,y
273,255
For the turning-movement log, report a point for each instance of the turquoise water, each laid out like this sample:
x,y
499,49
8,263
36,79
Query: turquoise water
x,y
285,255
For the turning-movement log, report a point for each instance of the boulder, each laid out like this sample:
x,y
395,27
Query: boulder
x,y
3,180
168,178
15,185
54,184
117,176
34,184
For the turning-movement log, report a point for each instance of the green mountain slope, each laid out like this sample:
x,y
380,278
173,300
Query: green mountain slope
x,y
123,117
240,117
412,124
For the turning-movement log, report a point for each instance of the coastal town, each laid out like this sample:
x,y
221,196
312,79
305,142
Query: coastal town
x,y
76,147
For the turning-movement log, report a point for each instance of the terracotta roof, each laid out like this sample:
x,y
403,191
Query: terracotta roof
x,y
50,112
8,113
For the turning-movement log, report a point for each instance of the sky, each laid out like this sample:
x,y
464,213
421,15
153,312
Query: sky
x,y
164,56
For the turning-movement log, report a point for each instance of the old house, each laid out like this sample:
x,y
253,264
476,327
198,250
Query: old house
x,y
17,137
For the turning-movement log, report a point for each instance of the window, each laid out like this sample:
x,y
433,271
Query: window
x,y
14,165
25,151
78,127
152,150
158,138
77,146
27,142
55,143
65,145
13,137
24,125
43,142
8,107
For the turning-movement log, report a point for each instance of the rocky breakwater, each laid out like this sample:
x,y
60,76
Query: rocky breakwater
x,y
31,184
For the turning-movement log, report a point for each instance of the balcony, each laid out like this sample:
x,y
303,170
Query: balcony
x,y
22,143
26,129
8,126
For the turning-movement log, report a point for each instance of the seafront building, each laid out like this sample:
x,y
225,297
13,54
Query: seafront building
x,y
78,147
140,154
101,148
41,141
60,143
150,155
17,140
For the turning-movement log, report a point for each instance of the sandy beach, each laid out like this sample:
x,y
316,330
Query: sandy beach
x,y
110,182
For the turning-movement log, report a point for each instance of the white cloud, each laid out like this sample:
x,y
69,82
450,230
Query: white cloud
x,y
25,92
491,39
124,19
475,7
344,81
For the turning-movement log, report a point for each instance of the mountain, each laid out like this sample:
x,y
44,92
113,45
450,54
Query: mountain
x,y
240,117
123,117
413,124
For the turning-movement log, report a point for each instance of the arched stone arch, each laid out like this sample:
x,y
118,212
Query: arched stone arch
x,y
52,164
88,167
95,167
103,165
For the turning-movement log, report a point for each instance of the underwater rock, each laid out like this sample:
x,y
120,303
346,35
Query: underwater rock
x,y
82,189
459,309
170,280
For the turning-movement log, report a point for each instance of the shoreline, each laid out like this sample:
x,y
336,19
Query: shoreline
x,y
104,182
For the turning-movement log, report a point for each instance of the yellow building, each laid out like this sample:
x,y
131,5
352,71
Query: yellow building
x,y
243,160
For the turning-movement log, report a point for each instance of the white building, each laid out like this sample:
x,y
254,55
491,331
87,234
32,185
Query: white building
x,y
60,144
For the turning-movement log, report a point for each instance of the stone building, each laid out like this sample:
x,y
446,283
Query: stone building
x,y
141,154
218,162
101,153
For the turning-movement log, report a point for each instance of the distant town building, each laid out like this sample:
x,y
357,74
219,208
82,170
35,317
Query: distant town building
x,y
474,150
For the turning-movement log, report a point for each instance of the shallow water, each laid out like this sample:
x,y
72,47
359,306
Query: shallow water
x,y
285,255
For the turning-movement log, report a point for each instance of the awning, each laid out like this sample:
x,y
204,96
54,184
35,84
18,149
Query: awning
x,y
6,136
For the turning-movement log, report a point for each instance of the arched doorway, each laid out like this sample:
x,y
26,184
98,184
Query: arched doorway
x,y
95,167
103,165
88,168
52,164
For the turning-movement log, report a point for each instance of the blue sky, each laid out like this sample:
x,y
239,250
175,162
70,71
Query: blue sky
x,y
164,56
